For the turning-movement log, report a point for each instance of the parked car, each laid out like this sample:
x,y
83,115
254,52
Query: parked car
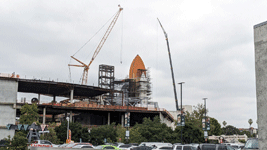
x,y
106,147
141,148
252,144
3,143
207,146
83,146
126,146
163,148
42,143
154,144
237,146
116,144
184,147
71,145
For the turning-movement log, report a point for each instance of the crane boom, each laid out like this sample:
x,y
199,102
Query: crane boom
x,y
100,45
173,80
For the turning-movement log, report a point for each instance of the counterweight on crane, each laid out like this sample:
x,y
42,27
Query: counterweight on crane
x,y
103,40
170,58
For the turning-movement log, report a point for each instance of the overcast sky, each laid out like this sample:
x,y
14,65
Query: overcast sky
x,y
211,45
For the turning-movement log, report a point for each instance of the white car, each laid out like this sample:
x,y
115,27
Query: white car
x,y
184,147
154,144
83,146
163,148
126,146
42,143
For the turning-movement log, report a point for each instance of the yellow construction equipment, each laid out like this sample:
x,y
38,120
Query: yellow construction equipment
x,y
86,67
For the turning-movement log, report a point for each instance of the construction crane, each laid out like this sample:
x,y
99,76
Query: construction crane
x,y
103,40
173,81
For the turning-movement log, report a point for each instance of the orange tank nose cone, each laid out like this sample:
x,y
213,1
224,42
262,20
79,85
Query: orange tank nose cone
x,y
137,66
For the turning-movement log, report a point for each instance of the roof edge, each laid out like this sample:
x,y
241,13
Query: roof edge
x,y
260,24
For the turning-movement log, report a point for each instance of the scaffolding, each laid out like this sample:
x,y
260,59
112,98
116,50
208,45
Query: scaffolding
x,y
133,92
106,80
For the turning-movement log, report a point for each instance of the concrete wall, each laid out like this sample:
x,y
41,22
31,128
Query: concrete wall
x,y
8,98
260,42
185,107
166,121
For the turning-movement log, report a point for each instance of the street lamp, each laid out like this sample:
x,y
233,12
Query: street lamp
x,y
68,119
205,132
181,83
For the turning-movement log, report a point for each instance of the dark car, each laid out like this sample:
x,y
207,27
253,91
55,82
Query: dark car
x,y
3,143
206,146
252,144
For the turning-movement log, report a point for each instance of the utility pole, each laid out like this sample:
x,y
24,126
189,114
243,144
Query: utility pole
x,y
181,84
68,119
205,131
128,122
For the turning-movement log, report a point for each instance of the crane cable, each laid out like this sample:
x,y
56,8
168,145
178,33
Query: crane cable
x,y
86,44
121,38
94,35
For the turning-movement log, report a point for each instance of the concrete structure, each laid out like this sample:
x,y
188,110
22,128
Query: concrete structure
x,y
185,108
8,98
229,138
260,42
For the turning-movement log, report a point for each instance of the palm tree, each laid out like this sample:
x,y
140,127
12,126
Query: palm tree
x,y
224,123
250,122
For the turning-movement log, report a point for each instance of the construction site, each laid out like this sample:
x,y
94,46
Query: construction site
x,y
123,101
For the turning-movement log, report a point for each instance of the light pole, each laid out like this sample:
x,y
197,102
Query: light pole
x,y
181,84
68,119
205,131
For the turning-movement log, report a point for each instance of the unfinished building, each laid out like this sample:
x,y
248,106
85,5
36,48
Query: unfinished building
x,y
89,105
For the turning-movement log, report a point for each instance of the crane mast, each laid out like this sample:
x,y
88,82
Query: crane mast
x,y
173,81
100,45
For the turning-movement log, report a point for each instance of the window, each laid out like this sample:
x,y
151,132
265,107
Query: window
x,y
178,147
87,146
47,142
109,147
187,148
166,148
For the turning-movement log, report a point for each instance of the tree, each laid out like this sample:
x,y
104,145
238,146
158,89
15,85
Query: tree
x,y
29,114
191,134
247,133
215,127
99,134
77,132
120,134
199,111
230,130
51,136
196,116
250,122
18,142
151,131
224,123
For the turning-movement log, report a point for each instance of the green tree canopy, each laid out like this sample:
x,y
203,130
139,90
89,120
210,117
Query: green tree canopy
x,y
51,136
108,132
29,114
230,130
250,122
224,123
199,111
215,128
151,131
18,142
77,132
191,134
